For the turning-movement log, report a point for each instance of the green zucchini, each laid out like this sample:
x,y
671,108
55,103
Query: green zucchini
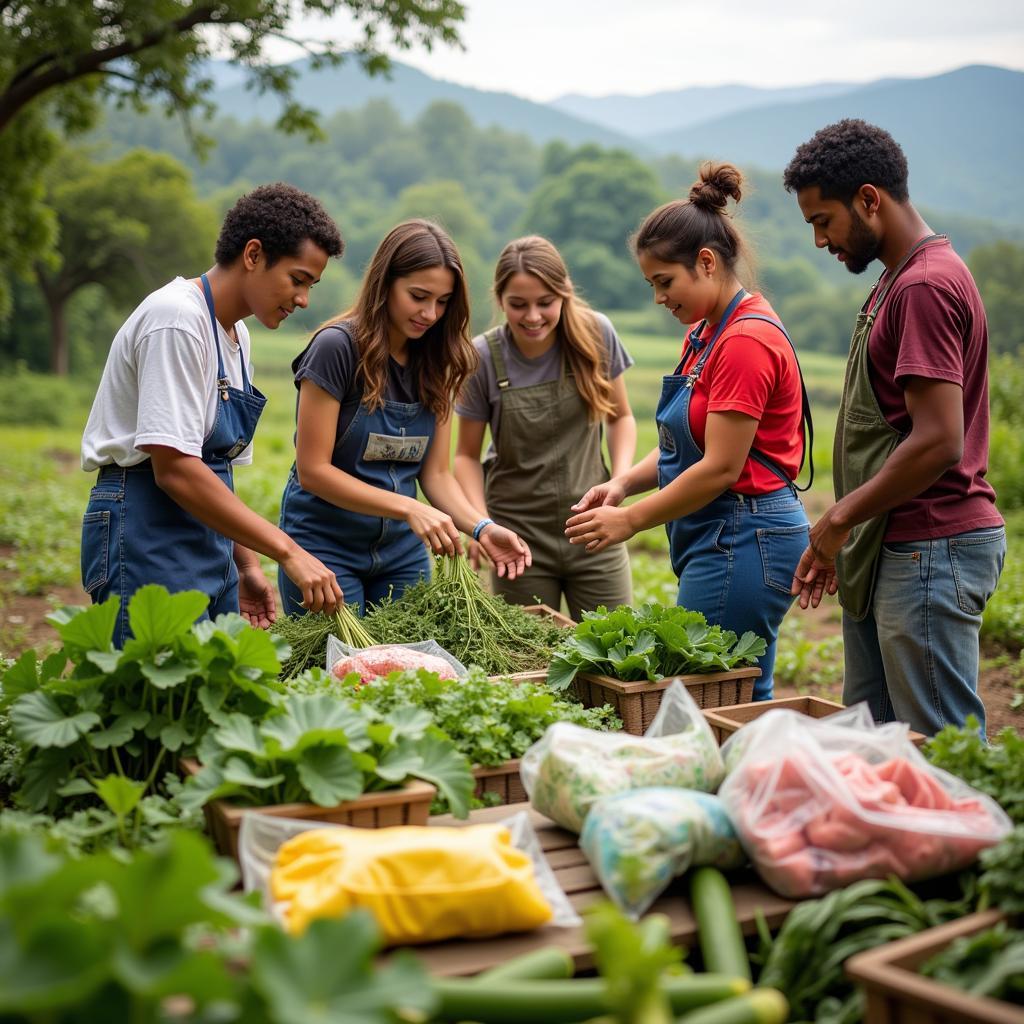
x,y
721,941
564,1001
547,963
758,1006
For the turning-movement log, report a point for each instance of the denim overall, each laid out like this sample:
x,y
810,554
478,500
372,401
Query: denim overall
x,y
370,555
735,557
134,533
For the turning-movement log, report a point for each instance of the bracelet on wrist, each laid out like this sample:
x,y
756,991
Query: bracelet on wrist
x,y
481,526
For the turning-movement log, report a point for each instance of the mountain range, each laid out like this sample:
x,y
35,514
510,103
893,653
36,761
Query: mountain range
x,y
957,128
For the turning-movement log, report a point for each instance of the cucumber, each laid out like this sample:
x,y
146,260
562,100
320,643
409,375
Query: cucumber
x,y
721,941
546,963
759,1006
564,1001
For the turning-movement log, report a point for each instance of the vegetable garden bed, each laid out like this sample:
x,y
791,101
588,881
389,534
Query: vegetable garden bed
x,y
407,805
724,721
636,703
895,993
502,781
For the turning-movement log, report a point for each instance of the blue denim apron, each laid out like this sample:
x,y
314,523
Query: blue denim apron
x,y
134,533
734,557
370,555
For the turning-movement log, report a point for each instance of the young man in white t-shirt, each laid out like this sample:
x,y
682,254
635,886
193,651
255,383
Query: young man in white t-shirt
x,y
175,409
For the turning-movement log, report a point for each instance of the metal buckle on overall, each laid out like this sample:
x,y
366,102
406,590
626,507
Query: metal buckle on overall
x,y
689,380
222,386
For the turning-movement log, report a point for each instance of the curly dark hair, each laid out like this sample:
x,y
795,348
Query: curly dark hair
x,y
843,156
281,217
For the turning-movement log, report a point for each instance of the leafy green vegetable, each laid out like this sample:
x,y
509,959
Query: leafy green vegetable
x,y
453,609
1002,880
650,642
990,963
805,959
324,749
996,769
101,733
489,722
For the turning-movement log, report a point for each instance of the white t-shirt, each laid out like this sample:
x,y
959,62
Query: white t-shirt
x,y
159,385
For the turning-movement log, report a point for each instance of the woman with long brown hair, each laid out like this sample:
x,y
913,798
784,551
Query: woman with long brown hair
x,y
376,387
549,381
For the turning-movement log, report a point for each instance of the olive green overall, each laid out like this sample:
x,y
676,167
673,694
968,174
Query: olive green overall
x,y
547,455
864,440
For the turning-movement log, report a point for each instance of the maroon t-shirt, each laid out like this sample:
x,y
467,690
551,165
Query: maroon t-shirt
x,y
932,325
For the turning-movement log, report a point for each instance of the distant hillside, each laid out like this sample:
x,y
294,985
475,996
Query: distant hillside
x,y
410,91
956,129
669,111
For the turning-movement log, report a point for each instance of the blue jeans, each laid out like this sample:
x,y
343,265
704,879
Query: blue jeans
x,y
735,560
915,656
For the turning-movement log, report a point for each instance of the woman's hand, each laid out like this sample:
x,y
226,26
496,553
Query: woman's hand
x,y
477,556
508,553
435,528
256,597
599,527
319,585
610,493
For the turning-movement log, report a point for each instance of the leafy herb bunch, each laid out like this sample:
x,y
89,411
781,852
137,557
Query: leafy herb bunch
x,y
650,642
324,749
112,726
489,722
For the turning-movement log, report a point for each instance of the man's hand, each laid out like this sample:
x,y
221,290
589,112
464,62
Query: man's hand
x,y
256,597
599,527
815,573
507,552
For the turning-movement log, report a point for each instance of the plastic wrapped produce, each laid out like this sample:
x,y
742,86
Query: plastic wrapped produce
x,y
638,841
821,803
570,767
373,662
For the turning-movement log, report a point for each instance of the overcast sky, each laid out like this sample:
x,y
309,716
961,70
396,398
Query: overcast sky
x,y
542,49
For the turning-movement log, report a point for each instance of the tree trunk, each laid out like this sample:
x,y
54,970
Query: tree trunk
x,y
56,304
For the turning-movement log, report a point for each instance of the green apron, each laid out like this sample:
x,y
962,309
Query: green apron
x,y
546,456
864,440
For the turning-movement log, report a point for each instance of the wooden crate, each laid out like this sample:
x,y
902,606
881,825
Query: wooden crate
x,y
896,994
636,703
407,805
549,612
502,779
725,721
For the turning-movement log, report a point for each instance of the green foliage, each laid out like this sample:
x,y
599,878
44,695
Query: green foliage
x,y
997,269
1001,882
649,642
489,722
453,609
40,399
103,731
1006,442
128,938
988,964
319,748
995,768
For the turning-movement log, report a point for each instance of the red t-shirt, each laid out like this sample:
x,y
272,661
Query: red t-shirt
x,y
752,369
932,325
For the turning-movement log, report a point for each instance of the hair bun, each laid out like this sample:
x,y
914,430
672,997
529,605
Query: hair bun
x,y
716,184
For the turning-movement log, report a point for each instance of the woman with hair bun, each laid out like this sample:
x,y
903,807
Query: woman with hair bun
x,y
731,437
376,387
549,380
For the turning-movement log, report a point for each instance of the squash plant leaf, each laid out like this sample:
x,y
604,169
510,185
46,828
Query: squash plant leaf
x,y
39,721
330,775
158,618
87,629
21,677
121,795
443,766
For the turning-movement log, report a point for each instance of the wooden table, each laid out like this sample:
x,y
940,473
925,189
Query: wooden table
x,y
470,956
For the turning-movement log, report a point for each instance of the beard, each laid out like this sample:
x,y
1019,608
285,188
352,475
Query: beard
x,y
861,247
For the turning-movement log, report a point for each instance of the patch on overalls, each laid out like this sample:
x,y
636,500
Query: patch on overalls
x,y
666,441
237,448
385,448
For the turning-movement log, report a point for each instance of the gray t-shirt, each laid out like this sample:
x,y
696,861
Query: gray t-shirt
x,y
480,399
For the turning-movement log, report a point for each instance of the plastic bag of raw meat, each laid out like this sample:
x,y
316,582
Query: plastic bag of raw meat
x,y
373,662
821,803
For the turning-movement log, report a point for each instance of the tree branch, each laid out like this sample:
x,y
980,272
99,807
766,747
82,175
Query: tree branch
x,y
17,95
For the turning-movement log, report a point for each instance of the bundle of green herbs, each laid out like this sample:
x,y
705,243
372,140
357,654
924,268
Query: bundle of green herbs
x,y
453,609
990,964
650,642
306,636
489,722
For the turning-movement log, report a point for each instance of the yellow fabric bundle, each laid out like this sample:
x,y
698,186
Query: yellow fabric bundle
x,y
422,884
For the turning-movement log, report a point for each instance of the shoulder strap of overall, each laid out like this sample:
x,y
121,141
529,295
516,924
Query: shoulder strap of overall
x,y
492,337
806,420
877,296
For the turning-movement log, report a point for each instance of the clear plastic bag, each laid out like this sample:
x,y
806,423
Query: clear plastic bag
x,y
570,767
638,841
261,836
821,803
336,650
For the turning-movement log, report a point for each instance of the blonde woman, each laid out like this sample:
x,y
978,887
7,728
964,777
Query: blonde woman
x,y
549,382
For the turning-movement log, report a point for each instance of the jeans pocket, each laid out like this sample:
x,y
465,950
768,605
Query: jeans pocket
x,y
977,562
780,548
95,550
